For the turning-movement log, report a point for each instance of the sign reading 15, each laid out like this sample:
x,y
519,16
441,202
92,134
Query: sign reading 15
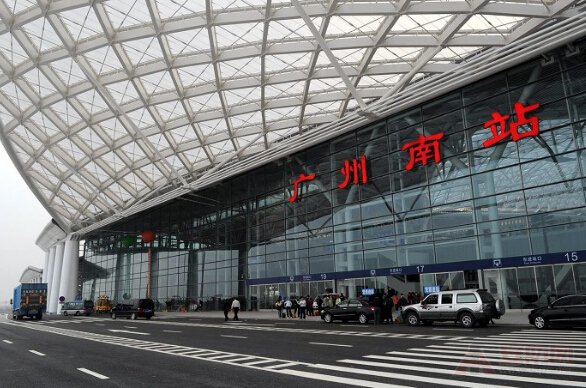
x,y
571,256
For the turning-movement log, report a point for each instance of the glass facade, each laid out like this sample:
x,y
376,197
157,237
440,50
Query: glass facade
x,y
522,198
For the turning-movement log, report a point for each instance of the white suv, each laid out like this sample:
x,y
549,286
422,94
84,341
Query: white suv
x,y
467,307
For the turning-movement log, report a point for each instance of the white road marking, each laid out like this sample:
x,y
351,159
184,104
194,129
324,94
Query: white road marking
x,y
127,331
484,357
172,331
403,376
37,353
490,375
95,374
454,329
338,379
8,342
100,324
233,336
326,344
131,327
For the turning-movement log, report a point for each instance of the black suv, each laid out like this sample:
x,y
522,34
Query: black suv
x,y
140,308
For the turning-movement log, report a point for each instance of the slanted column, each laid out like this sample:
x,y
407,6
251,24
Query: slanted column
x,y
69,272
50,268
54,301
45,267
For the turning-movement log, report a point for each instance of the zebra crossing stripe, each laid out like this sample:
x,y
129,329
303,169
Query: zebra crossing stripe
x,y
468,356
464,363
514,344
518,354
543,336
408,376
527,341
510,349
337,379
467,373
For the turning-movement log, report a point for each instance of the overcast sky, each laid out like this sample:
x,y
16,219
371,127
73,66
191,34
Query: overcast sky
x,y
23,218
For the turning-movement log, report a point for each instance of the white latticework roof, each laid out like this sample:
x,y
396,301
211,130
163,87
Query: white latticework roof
x,y
108,105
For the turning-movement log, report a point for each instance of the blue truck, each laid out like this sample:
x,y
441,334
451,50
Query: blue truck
x,y
30,300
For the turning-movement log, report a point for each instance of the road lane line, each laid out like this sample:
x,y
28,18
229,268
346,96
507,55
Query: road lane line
x,y
338,379
482,357
128,331
326,344
8,342
95,374
172,331
37,353
450,381
454,329
233,336
282,366
465,363
131,327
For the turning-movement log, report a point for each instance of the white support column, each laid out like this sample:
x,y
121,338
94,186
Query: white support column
x,y
53,302
45,267
68,286
50,268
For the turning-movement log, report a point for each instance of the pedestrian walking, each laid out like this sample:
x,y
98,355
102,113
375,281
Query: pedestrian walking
x,y
235,308
227,307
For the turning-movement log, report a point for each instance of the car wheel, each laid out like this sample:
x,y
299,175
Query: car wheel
x,y
113,315
133,316
328,318
65,313
539,322
467,320
362,318
77,313
412,318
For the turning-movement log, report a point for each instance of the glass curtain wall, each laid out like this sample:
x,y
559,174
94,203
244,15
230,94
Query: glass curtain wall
x,y
515,198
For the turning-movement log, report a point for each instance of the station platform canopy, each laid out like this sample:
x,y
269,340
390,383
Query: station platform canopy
x,y
108,108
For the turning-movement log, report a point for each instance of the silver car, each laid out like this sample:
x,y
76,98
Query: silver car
x,y
467,307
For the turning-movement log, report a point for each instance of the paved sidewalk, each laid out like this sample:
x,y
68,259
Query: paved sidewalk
x,y
511,317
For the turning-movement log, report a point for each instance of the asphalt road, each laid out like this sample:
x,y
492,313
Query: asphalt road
x,y
208,352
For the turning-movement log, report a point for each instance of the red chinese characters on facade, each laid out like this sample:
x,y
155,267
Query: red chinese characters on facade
x,y
302,178
499,121
424,149
354,172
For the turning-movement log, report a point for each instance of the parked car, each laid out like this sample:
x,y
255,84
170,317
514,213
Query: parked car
x,y
466,307
349,310
568,310
139,308
77,307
